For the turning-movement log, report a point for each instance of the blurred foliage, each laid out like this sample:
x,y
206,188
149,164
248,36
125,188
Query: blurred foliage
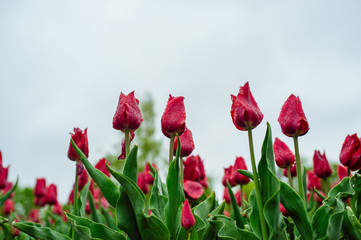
x,y
24,199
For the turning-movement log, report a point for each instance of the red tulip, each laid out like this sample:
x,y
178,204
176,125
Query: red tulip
x,y
341,172
350,155
3,176
283,155
192,189
292,118
142,183
293,170
194,169
81,140
1,159
128,116
236,177
40,201
148,178
321,166
123,153
174,117
40,187
187,218
283,210
57,209
101,166
226,196
83,179
51,195
34,215
7,188
187,144
238,197
313,181
227,176
71,197
204,182
9,206
245,111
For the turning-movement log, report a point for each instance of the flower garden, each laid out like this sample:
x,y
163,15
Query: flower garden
x,y
108,203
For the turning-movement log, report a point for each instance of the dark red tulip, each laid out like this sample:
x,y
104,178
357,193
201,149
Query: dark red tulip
x,y
245,111
3,176
81,140
227,176
123,153
128,116
7,188
226,196
51,195
238,197
142,183
101,166
293,170
321,166
283,155
236,177
187,218
313,181
292,118
57,209
187,144
40,187
174,117
34,215
148,178
40,201
342,172
83,179
350,155
71,197
204,182
1,159
9,207
193,168
283,210
192,189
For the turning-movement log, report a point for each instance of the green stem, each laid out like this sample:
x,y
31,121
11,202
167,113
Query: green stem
x,y
257,186
75,208
127,142
181,170
171,148
241,190
299,170
289,176
325,185
348,172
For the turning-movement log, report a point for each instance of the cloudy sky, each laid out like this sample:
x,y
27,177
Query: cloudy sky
x,y
63,64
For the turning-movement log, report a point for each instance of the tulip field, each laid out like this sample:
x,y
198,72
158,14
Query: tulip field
x,y
110,204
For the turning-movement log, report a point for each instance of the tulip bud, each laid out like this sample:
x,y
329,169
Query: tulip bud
x,y
283,210
57,209
174,117
350,155
9,207
34,215
3,176
40,201
341,172
40,187
283,155
81,140
83,179
293,171
187,219
227,176
102,167
51,195
123,153
226,196
236,177
245,111
321,166
128,116
313,181
238,197
142,183
187,144
192,189
292,118
193,168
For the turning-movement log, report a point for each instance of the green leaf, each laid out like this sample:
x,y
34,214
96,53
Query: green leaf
x,y
240,221
35,230
351,227
246,173
175,195
319,194
7,195
107,186
158,200
149,226
88,229
355,201
254,215
202,210
3,220
94,214
82,200
109,219
295,207
207,232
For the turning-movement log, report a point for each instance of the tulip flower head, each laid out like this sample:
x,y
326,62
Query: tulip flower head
x,y
192,189
227,177
293,170
321,166
350,155
187,218
9,207
128,115
174,117
81,140
193,168
313,181
187,144
244,110
40,187
102,167
292,118
142,183
3,176
283,155
236,177
226,196
341,172
51,195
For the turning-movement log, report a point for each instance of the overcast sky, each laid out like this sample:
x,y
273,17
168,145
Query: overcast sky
x,y
63,64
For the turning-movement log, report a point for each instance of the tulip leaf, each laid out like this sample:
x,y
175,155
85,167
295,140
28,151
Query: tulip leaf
x,y
149,226
107,186
240,221
175,195
93,211
207,232
246,173
124,210
271,187
254,215
319,194
226,228
37,231
351,227
87,229
3,220
158,199
355,200
82,200
7,195
295,207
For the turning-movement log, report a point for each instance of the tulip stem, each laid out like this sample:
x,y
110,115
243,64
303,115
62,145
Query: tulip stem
x,y
325,185
257,186
181,170
75,208
241,193
289,176
348,172
171,148
127,142
299,170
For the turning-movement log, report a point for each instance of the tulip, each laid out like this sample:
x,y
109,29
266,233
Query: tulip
x,y
226,196
236,177
187,218
283,155
81,140
83,179
7,188
142,183
293,171
187,144
40,201
283,210
193,168
321,166
204,182
9,207
341,172
1,159
102,167
128,116
3,176
350,155
192,189
148,177
313,181
71,197
40,187
238,197
57,209
34,215
244,110
174,117
227,176
51,195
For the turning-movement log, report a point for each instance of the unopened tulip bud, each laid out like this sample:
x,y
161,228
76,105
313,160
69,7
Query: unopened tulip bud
x,y
187,218
321,166
283,155
174,117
